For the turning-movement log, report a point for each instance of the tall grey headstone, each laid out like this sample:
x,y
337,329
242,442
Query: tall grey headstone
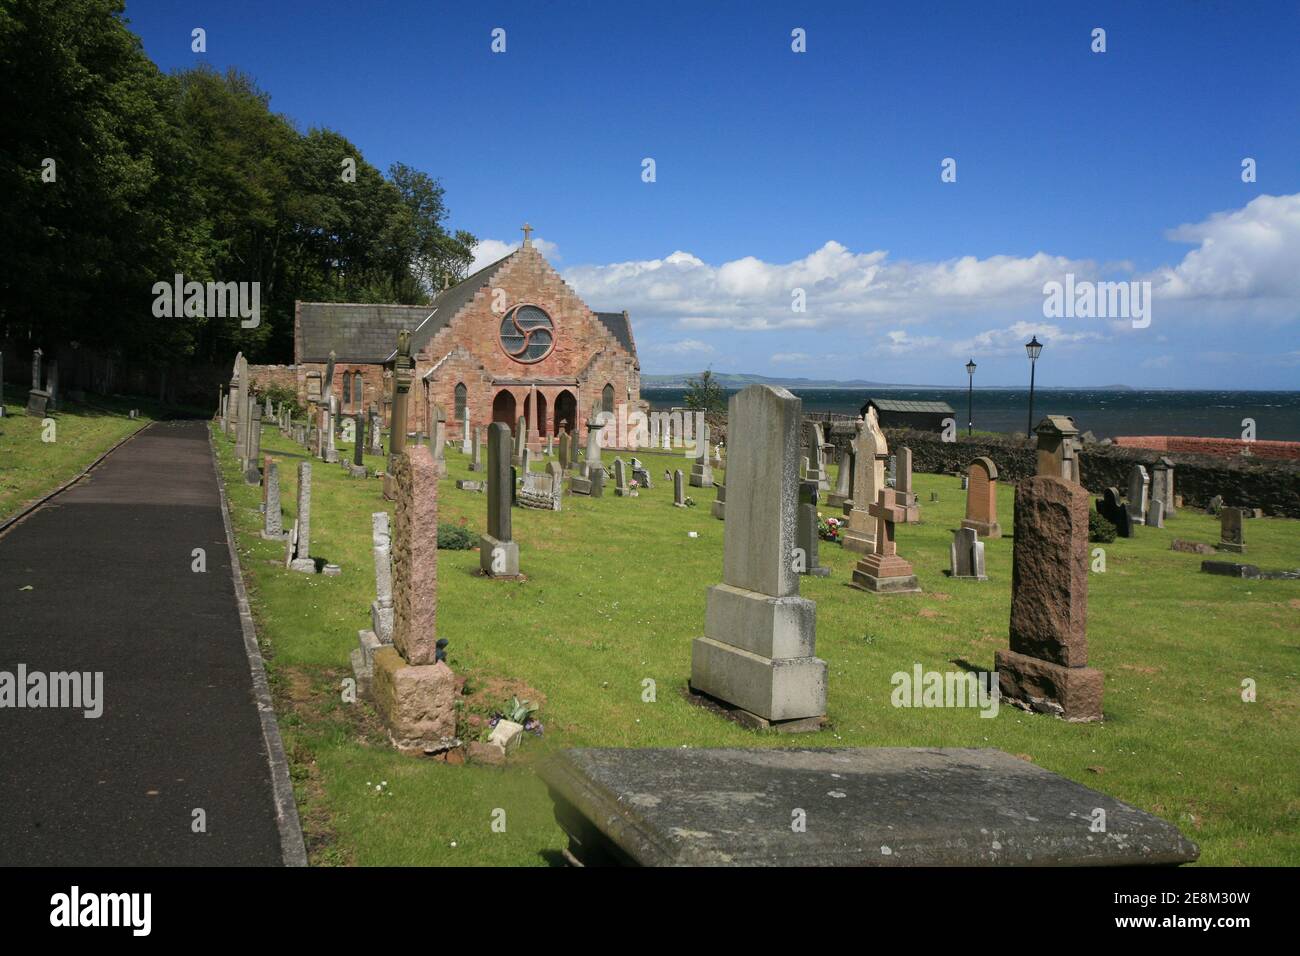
x,y
381,609
302,559
679,492
466,436
967,554
620,478
807,559
843,482
498,551
252,471
701,467
1138,488
272,524
758,650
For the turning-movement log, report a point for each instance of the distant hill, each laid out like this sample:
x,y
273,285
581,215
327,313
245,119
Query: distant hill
x,y
737,381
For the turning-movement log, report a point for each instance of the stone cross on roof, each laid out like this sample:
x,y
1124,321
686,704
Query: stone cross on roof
x,y
528,230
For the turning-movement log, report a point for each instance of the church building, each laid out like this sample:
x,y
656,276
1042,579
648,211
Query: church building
x,y
511,340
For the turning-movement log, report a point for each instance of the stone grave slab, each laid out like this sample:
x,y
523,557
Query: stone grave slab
x,y
893,806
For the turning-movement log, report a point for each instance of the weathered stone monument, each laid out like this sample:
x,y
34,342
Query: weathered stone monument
x,y
565,454
903,485
1156,514
497,550
843,482
476,451
376,432
982,498
679,492
438,438
701,467
300,558
272,523
817,458
380,632
235,397
870,453
253,454
967,555
1058,447
1232,530
757,655
1046,668
592,460
38,398
620,479
1162,485
414,692
403,374
1111,507
807,557
543,489
357,466
883,571
520,444
1138,483
466,436
719,507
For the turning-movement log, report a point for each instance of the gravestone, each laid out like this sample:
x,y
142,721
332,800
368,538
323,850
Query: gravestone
x,y
757,655
272,524
719,506
357,466
476,451
331,426
982,498
376,432
592,460
235,397
466,439
620,479
1138,485
870,452
883,571
415,693
1162,485
225,414
701,467
1058,448
891,472
403,375
497,550
438,438
641,475
302,559
808,560
543,489
679,492
253,474
967,555
1111,507
881,806
565,454
1045,670
903,485
817,458
52,383
1232,530
1156,514
1215,505
521,444
844,481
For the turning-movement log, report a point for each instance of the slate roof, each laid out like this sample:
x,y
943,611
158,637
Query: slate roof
x,y
618,324
357,333
898,405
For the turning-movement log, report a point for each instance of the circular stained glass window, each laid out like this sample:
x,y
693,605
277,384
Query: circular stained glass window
x,y
527,334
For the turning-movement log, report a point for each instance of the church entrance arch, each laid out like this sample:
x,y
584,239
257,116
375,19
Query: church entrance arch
x,y
503,409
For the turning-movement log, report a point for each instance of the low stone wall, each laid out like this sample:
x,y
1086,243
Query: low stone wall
x,y
265,376
1272,485
1215,447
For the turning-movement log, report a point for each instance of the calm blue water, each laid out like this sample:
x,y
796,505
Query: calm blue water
x,y
1107,414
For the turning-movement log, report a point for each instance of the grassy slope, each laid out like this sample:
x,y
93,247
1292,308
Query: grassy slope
x,y
616,592
30,467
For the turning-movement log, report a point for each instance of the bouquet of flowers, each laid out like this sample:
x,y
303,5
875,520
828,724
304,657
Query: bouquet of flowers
x,y
829,529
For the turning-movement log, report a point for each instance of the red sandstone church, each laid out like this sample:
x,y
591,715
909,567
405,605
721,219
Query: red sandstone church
x,y
512,339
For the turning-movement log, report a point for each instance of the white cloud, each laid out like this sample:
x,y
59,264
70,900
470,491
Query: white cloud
x,y
488,251
681,347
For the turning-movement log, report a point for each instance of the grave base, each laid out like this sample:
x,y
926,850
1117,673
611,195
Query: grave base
x,y
1230,548
503,554
274,536
887,806
859,541
883,574
802,725
1042,687
579,486
305,565
417,702
356,471
781,689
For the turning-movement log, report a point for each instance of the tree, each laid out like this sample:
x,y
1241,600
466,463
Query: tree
x,y
704,394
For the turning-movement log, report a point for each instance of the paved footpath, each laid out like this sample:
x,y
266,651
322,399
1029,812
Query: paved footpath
x,y
112,590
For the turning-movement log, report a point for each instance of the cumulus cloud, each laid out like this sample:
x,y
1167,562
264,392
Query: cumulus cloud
x,y
681,347
488,251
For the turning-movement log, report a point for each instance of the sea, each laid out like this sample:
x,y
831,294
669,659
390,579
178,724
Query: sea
x,y
1107,413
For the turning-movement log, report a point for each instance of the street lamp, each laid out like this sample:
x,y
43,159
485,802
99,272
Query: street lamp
x,y
1033,347
970,388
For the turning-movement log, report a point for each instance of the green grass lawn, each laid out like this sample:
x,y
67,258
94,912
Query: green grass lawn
x,y
31,467
615,593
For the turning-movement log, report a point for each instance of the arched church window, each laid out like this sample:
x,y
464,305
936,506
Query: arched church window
x,y
358,390
347,389
461,395
607,399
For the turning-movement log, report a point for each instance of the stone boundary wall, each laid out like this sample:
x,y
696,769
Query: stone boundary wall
x,y
267,375
1217,447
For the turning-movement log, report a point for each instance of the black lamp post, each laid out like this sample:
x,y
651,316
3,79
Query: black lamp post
x,y
1033,347
970,389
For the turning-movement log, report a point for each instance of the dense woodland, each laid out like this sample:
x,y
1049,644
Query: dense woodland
x,y
190,172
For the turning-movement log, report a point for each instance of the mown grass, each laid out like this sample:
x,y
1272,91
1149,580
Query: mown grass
x,y
31,467
615,593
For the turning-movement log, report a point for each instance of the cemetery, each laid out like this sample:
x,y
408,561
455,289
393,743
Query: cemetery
x,y
605,622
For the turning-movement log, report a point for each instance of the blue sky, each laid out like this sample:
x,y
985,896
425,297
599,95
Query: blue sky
x,y
778,171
